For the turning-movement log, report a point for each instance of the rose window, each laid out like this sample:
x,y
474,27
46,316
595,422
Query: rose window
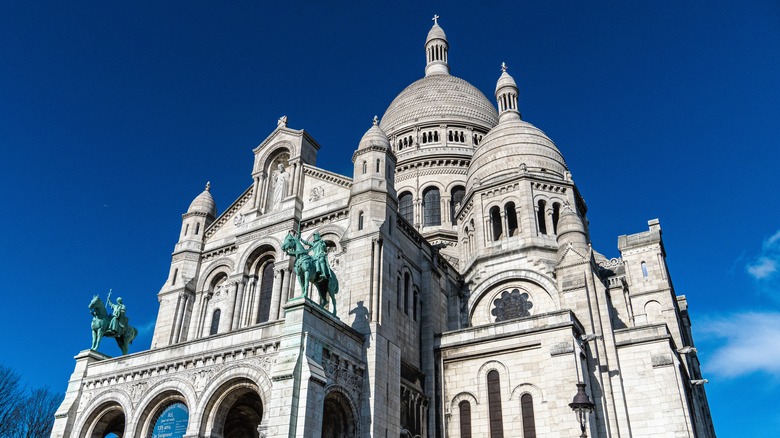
x,y
512,304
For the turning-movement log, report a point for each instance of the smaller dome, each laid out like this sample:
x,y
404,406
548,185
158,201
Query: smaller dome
x,y
505,80
515,146
570,222
436,32
204,203
374,137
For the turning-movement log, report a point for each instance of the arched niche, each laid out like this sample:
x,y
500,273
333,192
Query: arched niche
x,y
235,409
167,411
338,416
106,420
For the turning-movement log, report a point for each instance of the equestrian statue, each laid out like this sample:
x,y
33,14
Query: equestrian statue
x,y
114,326
312,268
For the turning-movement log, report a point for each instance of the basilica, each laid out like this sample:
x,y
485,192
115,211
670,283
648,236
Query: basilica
x,y
446,288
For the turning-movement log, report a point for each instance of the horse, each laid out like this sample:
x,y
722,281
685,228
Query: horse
x,y
306,271
100,322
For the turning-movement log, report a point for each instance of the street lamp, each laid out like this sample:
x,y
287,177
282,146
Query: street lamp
x,y
582,407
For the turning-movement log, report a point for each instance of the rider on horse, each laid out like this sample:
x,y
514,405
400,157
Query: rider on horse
x,y
319,252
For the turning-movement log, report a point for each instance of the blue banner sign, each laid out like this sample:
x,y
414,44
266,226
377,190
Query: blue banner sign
x,y
172,422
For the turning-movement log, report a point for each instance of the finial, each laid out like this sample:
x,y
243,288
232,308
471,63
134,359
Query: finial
x,y
282,121
208,185
503,67
376,120
435,20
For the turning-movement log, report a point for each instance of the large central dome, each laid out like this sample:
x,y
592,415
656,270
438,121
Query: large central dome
x,y
439,97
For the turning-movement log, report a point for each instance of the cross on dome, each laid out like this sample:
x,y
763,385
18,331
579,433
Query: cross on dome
x,y
503,67
376,120
435,20
208,185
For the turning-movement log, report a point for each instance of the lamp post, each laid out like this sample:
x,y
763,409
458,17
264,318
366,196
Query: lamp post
x,y
582,407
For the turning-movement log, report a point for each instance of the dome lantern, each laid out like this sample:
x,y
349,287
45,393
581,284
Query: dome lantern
x,y
506,95
436,50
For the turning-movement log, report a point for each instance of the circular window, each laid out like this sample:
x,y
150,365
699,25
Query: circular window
x,y
511,304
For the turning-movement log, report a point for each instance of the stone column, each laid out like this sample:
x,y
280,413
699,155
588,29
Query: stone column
x,y
181,307
238,304
195,318
262,196
548,214
251,302
505,223
446,210
286,286
276,297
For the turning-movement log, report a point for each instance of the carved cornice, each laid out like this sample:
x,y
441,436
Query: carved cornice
x,y
254,235
185,366
232,210
330,177
188,256
554,188
501,190
369,196
219,252
329,217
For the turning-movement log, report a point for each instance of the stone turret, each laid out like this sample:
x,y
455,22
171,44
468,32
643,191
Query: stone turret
x,y
373,180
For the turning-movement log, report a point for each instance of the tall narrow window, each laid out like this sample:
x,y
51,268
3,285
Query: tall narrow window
x,y
414,305
495,222
511,219
555,216
431,207
540,217
465,419
529,424
365,167
197,228
494,405
644,270
266,292
456,198
175,275
406,207
406,293
215,322
360,221
186,229
378,163
398,292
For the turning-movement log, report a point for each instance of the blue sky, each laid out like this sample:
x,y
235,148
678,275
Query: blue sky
x,y
113,116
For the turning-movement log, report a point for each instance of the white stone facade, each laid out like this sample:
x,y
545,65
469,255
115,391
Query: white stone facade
x,y
470,299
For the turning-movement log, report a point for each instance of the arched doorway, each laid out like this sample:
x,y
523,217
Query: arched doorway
x,y
244,416
338,420
235,410
109,422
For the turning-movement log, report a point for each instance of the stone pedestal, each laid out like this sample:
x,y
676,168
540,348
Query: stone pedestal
x,y
66,413
298,377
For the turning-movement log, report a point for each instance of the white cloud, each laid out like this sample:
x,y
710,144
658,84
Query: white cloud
x,y
748,343
764,266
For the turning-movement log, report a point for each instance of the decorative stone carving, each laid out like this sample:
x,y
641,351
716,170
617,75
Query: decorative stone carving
x,y
317,193
512,304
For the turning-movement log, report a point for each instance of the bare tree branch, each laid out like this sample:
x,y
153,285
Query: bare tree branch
x,y
11,399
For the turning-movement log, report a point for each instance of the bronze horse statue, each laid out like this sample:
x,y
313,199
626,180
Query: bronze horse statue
x,y
306,270
100,323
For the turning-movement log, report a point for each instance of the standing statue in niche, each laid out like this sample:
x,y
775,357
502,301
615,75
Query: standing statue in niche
x,y
280,178
313,268
114,326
